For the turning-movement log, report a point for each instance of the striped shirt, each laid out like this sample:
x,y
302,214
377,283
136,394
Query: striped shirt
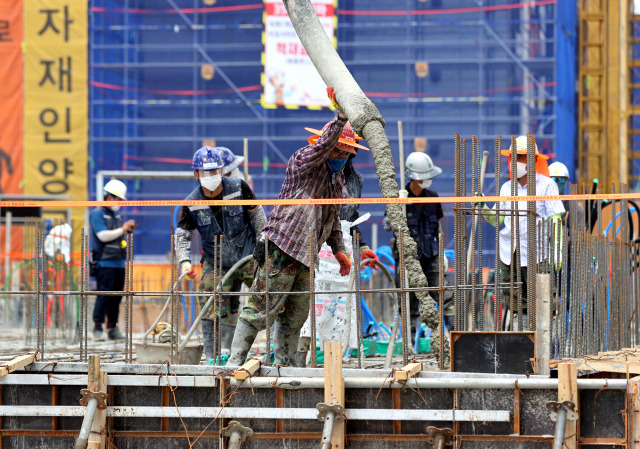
x,y
308,176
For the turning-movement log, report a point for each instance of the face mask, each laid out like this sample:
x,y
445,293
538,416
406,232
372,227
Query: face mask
x,y
235,173
426,183
521,170
211,182
115,208
337,164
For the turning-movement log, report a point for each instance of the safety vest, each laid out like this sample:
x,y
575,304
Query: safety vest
x,y
109,250
239,238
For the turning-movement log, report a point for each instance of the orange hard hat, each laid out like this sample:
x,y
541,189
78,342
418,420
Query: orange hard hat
x,y
542,166
348,138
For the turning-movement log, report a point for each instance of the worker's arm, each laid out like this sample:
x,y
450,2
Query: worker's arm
x,y
335,240
99,227
309,158
256,213
493,217
183,236
109,235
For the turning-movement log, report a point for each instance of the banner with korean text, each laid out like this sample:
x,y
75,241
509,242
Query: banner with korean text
x,y
289,78
55,101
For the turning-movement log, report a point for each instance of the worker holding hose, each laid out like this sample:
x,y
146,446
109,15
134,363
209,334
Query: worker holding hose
x,y
315,171
237,225
546,210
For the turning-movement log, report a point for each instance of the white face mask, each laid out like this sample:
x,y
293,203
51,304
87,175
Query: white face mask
x,y
426,183
521,169
235,173
211,182
115,208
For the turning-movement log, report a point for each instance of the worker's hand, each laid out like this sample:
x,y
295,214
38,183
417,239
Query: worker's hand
x,y
129,226
344,261
445,268
332,96
479,204
368,254
403,193
185,267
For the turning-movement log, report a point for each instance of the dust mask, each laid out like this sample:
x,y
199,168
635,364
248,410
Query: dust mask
x,y
521,169
211,182
235,173
115,208
426,183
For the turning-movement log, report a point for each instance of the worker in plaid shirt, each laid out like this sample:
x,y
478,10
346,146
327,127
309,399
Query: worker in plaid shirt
x,y
314,171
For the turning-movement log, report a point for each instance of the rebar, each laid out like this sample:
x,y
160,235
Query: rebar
x,y
312,299
403,308
440,300
83,318
532,258
497,290
173,309
356,257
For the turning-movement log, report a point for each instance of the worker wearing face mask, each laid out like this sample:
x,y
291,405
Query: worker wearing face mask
x,y
546,210
314,171
423,220
560,175
109,253
238,226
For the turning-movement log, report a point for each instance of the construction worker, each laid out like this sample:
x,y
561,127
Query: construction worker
x,y
348,212
315,171
238,226
231,163
109,253
560,175
546,210
423,221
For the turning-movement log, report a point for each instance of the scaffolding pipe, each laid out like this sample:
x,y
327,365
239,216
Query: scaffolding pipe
x,y
87,422
327,429
558,439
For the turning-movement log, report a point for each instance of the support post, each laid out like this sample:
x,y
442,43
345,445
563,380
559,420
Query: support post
x,y
543,325
633,421
568,391
334,387
97,439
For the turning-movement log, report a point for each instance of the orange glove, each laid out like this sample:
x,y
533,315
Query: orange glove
x,y
368,254
332,96
345,263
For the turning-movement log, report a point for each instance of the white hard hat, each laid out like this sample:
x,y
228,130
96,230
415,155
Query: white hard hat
x,y
116,188
559,170
420,167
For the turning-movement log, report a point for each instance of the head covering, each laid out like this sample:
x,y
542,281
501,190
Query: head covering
x,y
542,165
348,138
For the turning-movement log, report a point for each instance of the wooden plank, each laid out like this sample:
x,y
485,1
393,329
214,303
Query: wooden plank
x,y
568,391
247,369
408,371
543,323
54,401
606,366
633,391
516,411
165,402
17,363
97,382
97,438
334,387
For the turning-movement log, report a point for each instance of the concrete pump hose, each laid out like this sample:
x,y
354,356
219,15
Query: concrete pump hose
x,y
166,304
367,122
239,264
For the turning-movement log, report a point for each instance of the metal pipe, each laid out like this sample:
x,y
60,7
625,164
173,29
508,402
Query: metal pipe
x,y
87,422
327,430
558,439
235,440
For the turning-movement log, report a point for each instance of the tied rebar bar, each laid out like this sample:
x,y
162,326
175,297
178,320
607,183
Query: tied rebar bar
x,y
356,257
532,258
173,308
403,304
440,299
312,298
497,290
82,319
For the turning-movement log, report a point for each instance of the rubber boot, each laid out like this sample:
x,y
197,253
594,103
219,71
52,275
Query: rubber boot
x,y
285,343
227,336
207,336
242,340
301,354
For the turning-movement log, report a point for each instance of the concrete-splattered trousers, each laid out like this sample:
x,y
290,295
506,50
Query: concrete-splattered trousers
x,y
229,305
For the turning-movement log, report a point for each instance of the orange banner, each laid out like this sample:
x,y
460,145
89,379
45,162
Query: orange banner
x,y
11,108
10,96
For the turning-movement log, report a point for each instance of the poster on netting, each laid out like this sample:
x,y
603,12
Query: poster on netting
x,y
289,78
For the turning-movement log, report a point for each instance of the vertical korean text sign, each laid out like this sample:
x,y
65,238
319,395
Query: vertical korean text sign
x,y
55,101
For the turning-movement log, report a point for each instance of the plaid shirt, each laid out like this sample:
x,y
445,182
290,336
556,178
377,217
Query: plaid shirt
x,y
308,176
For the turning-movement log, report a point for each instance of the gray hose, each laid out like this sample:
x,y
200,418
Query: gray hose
x,y
166,304
203,310
367,122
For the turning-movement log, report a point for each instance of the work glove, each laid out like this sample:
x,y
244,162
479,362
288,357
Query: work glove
x,y
403,193
332,96
185,267
480,204
344,261
368,254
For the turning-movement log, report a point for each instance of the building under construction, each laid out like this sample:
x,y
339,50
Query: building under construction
x,y
541,353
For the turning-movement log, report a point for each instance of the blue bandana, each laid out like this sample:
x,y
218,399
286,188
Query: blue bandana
x,y
337,164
